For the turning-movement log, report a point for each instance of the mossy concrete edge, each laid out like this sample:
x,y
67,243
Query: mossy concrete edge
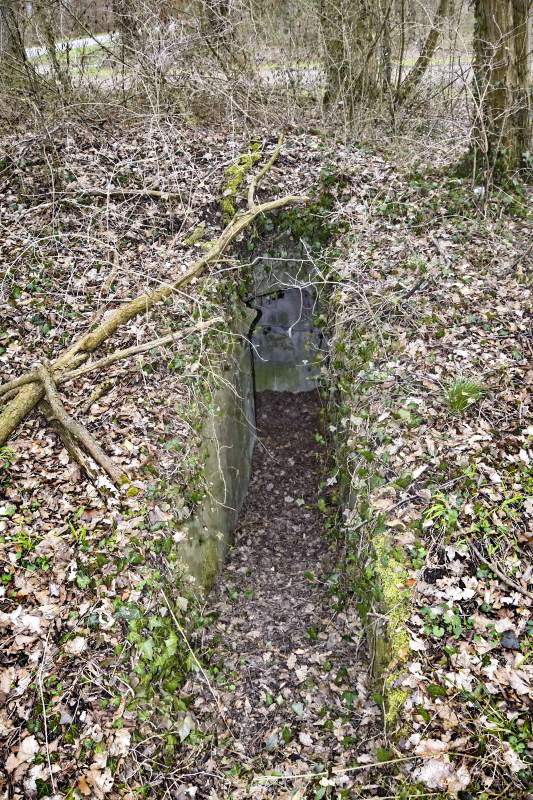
x,y
228,436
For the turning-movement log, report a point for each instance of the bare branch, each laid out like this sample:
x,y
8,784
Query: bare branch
x,y
18,408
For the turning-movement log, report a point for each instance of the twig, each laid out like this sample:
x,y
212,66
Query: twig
x,y
197,662
106,286
500,574
415,288
116,192
45,722
358,767
138,348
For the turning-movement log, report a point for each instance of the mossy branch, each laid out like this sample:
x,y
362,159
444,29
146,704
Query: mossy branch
x,y
254,183
29,395
118,355
235,175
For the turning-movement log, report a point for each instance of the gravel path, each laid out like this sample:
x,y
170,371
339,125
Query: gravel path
x,y
285,653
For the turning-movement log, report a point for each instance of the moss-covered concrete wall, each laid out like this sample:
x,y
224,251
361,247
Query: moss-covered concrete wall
x,y
377,570
229,436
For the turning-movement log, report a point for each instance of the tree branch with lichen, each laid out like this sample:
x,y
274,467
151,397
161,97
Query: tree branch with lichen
x,y
30,394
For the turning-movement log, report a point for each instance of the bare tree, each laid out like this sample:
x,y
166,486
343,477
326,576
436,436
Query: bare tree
x,y
16,71
12,52
46,16
413,79
127,23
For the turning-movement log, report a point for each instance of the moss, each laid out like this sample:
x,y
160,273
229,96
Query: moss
x,y
195,236
383,585
394,700
234,177
393,576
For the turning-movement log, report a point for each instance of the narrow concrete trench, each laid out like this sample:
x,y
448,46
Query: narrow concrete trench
x,y
289,688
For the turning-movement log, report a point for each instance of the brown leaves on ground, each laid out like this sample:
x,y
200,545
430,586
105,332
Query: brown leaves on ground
x,y
435,314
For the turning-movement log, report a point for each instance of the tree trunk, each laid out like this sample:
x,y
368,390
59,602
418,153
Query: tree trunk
x,y
220,29
502,84
12,52
126,23
415,76
46,15
16,72
350,31
522,117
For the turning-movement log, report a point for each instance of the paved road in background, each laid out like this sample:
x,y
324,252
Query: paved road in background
x,y
70,44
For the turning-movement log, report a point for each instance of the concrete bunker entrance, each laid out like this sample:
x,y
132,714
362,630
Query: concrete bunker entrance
x,y
286,338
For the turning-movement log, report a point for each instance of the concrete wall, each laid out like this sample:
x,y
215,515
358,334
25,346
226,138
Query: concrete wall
x,y
229,437
286,343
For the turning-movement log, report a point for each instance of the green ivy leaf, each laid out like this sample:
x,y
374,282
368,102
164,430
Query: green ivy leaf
x,y
147,648
171,644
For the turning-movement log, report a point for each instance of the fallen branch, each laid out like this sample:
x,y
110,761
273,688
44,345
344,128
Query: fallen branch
x,y
418,285
27,398
501,575
63,377
256,179
138,348
31,377
75,428
69,442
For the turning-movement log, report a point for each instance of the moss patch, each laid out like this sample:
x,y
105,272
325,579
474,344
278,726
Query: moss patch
x,y
234,177
393,575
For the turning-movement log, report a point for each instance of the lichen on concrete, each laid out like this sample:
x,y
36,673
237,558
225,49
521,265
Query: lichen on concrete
x,y
228,437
